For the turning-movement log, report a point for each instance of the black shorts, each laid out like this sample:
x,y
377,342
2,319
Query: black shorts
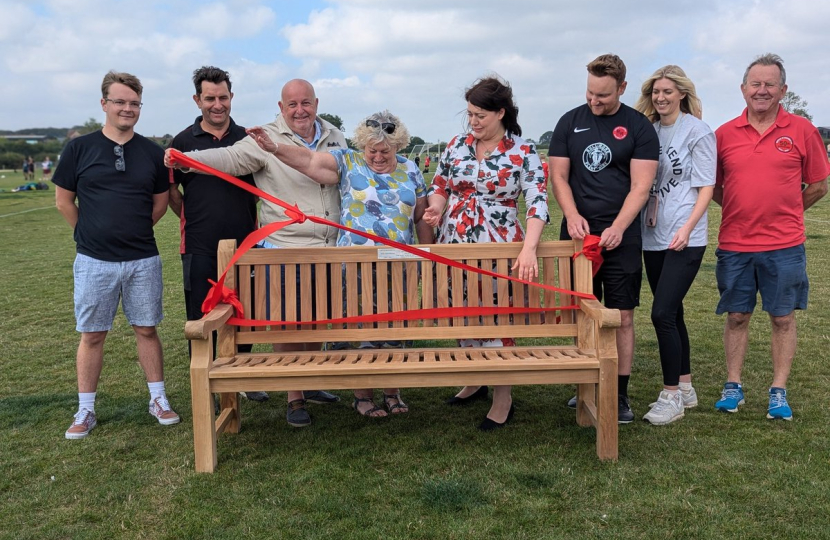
x,y
620,277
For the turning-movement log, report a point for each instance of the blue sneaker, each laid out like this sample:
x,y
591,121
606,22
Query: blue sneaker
x,y
731,396
779,409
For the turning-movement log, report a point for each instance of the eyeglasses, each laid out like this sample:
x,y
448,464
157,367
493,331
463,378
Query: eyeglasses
x,y
125,104
388,127
120,164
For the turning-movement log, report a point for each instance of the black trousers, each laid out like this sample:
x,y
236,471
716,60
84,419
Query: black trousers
x,y
196,270
670,275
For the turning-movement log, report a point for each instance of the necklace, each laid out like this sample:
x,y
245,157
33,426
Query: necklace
x,y
488,153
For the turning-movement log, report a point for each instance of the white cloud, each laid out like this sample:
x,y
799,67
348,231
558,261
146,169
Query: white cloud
x,y
413,58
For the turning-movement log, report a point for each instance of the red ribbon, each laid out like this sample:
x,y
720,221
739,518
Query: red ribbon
x,y
220,293
592,252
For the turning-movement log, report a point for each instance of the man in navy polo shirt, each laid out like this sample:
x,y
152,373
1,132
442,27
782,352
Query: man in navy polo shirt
x,y
210,208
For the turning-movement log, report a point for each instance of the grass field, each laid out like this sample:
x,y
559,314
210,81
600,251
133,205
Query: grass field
x,y
428,474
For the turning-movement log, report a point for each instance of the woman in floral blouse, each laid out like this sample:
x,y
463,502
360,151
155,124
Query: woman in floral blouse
x,y
474,196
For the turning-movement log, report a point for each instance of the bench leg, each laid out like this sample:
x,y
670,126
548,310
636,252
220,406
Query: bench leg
x,y
204,436
607,427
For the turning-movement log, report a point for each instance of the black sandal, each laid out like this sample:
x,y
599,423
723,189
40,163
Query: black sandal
x,y
369,412
396,406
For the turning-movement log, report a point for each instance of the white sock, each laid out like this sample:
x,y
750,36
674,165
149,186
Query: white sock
x,y
671,392
685,387
156,390
86,400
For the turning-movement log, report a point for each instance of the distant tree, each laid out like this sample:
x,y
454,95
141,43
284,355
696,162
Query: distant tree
x,y
793,103
413,142
333,119
11,160
90,126
546,137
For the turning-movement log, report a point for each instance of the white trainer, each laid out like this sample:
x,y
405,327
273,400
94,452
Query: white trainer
x,y
689,398
667,409
160,409
83,422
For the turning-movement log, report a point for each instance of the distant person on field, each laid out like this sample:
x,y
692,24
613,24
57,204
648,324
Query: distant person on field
x,y
603,158
31,163
764,157
210,209
46,166
112,187
298,125
426,163
675,227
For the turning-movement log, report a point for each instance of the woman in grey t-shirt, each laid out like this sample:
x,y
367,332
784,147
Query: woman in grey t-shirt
x,y
674,226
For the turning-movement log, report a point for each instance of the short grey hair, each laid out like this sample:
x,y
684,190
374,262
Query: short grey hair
x,y
768,59
365,135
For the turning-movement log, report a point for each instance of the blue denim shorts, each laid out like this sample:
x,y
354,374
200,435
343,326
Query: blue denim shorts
x,y
100,285
779,275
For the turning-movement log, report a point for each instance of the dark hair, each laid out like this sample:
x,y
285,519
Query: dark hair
x,y
128,80
492,94
210,74
608,65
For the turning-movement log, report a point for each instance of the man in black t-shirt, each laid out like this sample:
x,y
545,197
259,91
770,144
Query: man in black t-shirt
x,y
120,184
603,158
210,208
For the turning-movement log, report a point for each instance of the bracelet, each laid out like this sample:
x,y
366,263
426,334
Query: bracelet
x,y
276,147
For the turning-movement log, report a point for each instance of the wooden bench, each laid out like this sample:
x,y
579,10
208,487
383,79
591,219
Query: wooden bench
x,y
317,283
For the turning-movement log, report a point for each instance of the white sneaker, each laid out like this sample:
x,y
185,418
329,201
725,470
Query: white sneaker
x,y
82,424
667,409
689,398
161,411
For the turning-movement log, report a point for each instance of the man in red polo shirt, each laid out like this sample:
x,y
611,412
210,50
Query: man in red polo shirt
x,y
764,157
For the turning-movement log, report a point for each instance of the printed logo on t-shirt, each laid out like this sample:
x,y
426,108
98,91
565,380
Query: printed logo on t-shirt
x,y
784,144
596,157
620,132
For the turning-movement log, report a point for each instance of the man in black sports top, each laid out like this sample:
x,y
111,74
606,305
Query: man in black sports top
x,y
603,159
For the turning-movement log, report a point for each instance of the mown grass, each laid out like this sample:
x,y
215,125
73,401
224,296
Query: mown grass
x,y
429,474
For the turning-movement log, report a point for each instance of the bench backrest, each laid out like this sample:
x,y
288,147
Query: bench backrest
x,y
306,284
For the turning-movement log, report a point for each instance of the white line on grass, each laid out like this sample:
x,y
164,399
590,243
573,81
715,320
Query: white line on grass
x,y
24,211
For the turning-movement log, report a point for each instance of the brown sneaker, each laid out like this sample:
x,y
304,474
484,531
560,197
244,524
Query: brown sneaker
x,y
160,409
82,424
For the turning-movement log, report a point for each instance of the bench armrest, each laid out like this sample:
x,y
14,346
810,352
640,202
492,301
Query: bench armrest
x,y
211,322
607,318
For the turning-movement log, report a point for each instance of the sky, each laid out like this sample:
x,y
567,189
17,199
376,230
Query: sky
x,y
414,58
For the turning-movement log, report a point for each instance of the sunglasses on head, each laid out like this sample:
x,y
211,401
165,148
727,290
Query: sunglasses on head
x,y
120,164
388,127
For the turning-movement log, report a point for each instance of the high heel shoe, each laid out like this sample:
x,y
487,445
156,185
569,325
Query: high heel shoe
x,y
490,425
481,393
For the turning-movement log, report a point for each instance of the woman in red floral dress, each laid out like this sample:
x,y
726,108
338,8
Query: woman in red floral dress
x,y
474,198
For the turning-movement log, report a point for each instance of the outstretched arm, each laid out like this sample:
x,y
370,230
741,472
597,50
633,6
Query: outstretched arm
x,y
319,166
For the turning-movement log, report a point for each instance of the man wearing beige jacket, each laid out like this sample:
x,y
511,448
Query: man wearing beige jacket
x,y
296,124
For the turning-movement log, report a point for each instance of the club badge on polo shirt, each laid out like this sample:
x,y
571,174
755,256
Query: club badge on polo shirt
x,y
784,144
620,133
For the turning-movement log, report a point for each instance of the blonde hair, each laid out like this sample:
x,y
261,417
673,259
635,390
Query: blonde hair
x,y
365,135
690,104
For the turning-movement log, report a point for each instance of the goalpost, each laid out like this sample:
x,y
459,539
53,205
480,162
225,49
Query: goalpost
x,y
433,149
